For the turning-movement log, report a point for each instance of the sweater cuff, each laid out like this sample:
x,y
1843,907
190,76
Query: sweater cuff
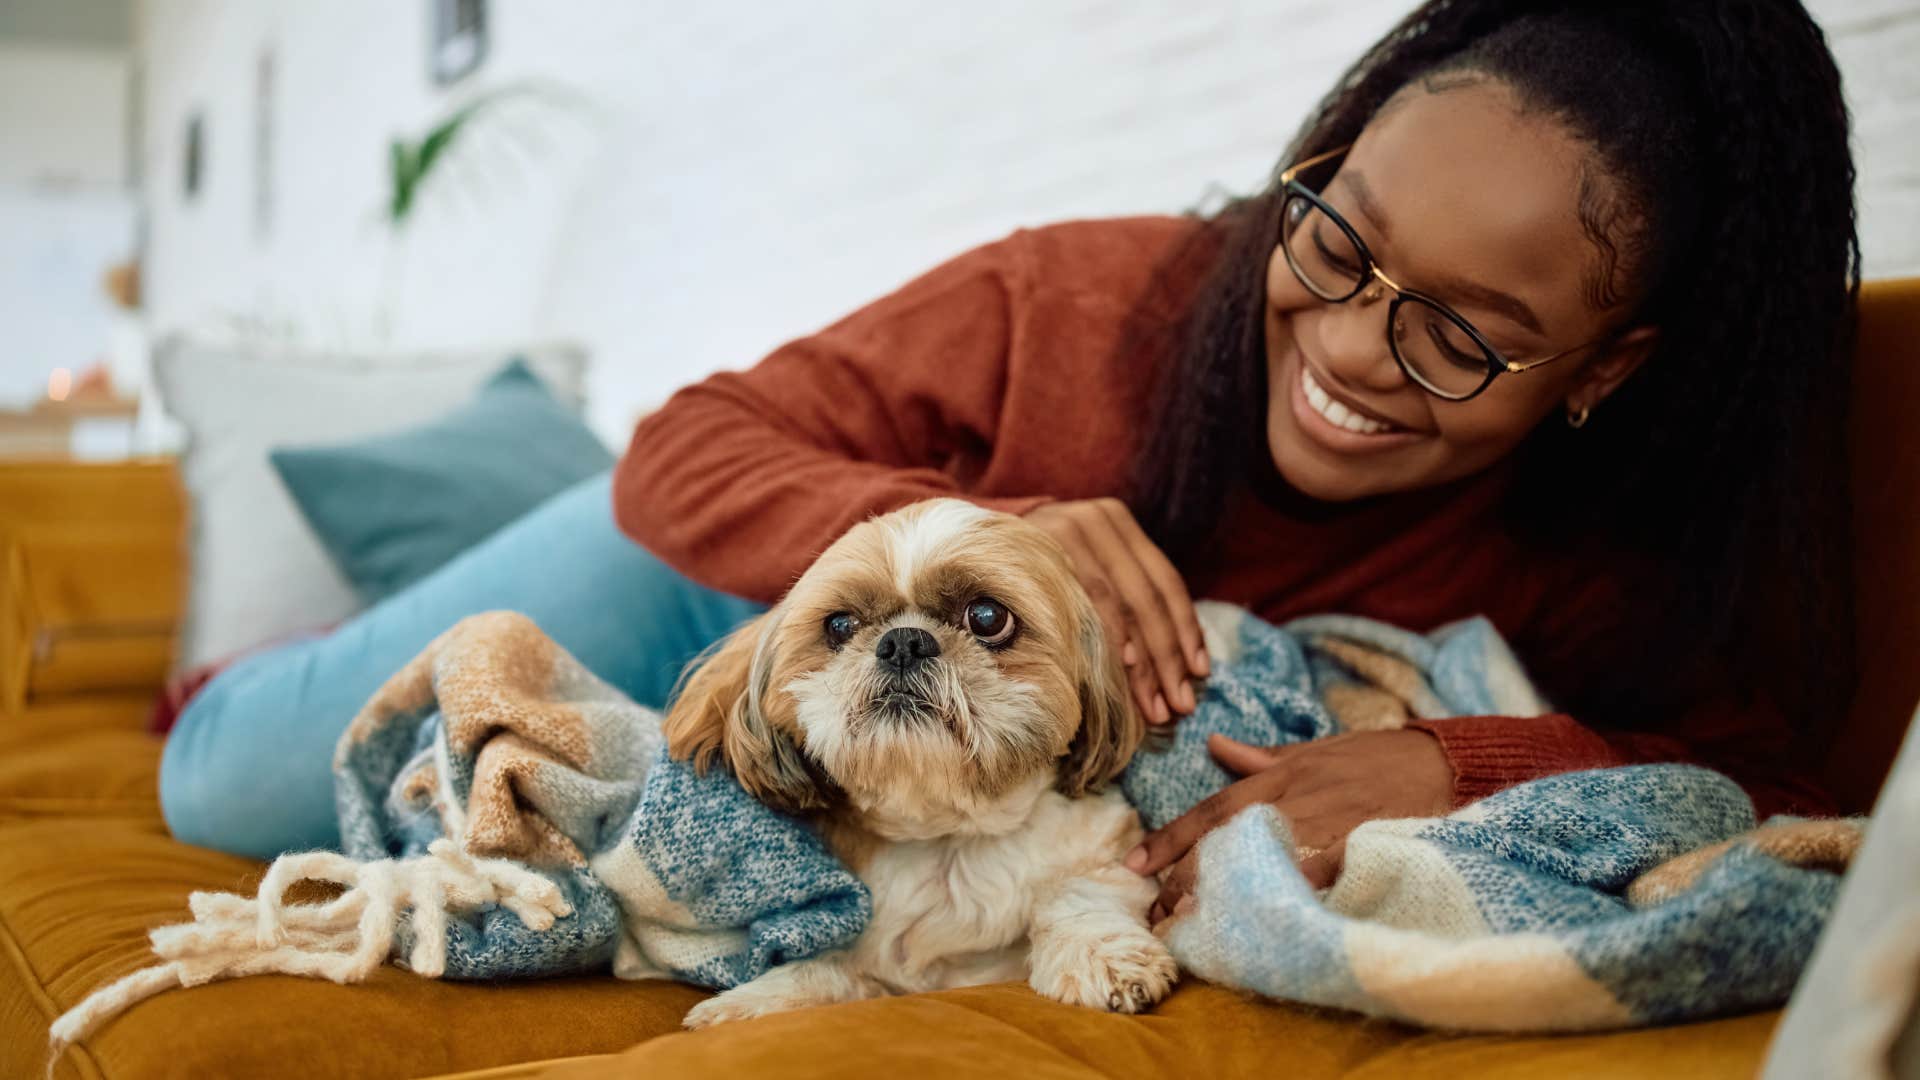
x,y
1493,753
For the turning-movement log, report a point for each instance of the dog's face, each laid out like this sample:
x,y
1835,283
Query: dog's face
x,y
930,664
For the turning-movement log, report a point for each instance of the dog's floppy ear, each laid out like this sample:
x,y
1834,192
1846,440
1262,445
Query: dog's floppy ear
x,y
1111,728
722,710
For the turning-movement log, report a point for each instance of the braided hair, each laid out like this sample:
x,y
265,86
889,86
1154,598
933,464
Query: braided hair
x,y
1728,224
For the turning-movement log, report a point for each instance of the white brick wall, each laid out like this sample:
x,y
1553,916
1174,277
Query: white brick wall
x,y
1877,43
756,170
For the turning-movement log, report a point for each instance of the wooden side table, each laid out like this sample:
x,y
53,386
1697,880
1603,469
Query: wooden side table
x,y
93,579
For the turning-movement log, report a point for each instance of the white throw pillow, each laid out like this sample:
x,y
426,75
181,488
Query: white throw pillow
x,y
258,572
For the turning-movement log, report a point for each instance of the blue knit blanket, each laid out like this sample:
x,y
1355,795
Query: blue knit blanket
x,y
1592,900
507,814
498,738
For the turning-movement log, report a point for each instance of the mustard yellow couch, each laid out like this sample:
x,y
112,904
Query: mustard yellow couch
x,y
86,868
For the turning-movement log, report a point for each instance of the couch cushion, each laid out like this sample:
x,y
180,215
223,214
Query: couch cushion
x,y
393,508
87,758
1201,1030
78,896
258,572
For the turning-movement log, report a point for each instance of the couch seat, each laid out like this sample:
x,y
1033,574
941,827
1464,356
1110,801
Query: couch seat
x,y
1202,1030
86,868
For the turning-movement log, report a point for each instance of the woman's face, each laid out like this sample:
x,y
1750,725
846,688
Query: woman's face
x,y
1462,196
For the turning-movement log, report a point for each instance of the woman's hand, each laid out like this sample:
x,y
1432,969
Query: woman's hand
x,y
1141,599
1324,787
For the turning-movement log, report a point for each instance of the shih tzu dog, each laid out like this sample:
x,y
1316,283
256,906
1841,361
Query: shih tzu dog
x,y
937,693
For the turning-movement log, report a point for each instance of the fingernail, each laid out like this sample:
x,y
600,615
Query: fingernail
x,y
1160,713
1187,703
1183,905
1129,655
1202,664
1137,858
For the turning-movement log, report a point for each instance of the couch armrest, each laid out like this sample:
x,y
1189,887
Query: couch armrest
x,y
93,561
1886,538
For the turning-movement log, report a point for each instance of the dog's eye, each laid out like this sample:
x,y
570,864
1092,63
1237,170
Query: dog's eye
x,y
841,625
990,621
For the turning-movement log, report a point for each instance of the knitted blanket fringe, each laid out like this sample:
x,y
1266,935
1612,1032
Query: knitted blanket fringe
x,y
344,939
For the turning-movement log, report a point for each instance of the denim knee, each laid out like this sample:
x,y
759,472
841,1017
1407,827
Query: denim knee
x,y
248,768
244,772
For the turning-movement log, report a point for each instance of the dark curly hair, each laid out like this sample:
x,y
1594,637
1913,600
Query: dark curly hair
x,y
1730,226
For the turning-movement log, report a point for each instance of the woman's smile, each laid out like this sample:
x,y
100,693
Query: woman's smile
x,y
1336,420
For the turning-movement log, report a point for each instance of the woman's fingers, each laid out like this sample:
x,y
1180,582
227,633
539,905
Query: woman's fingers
x,y
1120,627
1146,691
1152,621
1174,887
1114,616
1242,758
1167,844
1172,588
1321,818
1140,597
1322,868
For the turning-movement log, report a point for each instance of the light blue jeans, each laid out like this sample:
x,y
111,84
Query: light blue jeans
x,y
248,767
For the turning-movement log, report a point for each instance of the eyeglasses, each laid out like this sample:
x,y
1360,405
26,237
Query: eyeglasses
x,y
1438,349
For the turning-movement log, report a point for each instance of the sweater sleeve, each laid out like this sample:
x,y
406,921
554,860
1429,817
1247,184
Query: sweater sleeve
x,y
738,481
1749,743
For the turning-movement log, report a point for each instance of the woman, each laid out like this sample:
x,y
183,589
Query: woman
x,y
1544,317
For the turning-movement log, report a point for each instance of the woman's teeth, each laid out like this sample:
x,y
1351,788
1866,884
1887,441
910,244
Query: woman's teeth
x,y
1335,413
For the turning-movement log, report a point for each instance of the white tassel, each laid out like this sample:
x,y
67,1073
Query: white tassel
x,y
104,1004
344,939
429,955
290,869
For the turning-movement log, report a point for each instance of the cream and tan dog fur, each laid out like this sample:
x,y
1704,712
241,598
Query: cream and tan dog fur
x,y
937,692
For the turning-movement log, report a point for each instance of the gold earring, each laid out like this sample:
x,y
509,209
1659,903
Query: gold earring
x,y
1577,418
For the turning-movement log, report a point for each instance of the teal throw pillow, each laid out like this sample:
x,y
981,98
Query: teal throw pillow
x,y
391,509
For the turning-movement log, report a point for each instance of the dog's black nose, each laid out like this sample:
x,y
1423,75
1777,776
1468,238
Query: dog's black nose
x,y
903,648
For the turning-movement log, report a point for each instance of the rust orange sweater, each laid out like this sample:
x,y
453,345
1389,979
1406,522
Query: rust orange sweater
x,y
994,378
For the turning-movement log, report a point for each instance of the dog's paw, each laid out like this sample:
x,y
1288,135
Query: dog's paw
x,y
739,1003
1124,973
